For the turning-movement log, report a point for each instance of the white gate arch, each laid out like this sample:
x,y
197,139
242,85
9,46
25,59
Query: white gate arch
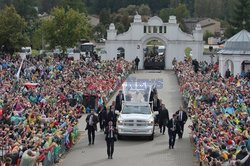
x,y
134,40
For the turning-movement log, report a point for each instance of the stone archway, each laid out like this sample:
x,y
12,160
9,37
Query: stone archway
x,y
245,67
154,52
229,65
120,52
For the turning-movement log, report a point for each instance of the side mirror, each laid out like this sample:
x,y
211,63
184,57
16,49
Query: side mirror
x,y
117,112
156,113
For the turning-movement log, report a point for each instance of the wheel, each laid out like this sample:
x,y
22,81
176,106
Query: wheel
x,y
119,137
151,138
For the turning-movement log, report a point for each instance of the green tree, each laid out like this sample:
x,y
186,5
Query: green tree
x,y
3,3
12,30
105,16
100,31
165,13
144,10
207,35
74,4
120,27
65,28
182,12
241,18
201,8
37,39
26,8
48,5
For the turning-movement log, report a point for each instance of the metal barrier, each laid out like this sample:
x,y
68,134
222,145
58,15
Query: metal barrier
x,y
192,140
63,145
49,159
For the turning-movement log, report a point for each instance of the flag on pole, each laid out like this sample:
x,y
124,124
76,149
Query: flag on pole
x,y
31,85
19,70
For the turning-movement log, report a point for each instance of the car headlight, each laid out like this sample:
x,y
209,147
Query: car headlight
x,y
151,122
119,122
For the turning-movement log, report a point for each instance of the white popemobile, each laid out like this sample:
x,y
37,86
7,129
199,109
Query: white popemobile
x,y
136,117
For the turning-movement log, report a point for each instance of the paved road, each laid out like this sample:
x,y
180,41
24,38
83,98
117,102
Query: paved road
x,y
138,152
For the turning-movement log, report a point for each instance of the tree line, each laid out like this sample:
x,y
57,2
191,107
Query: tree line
x,y
64,27
20,25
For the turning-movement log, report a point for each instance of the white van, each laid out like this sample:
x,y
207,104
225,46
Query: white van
x,y
161,50
26,50
136,117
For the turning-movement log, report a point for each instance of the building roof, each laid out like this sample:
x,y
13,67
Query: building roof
x,y
238,44
93,20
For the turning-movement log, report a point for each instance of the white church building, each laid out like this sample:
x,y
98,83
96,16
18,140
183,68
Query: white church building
x,y
134,42
235,55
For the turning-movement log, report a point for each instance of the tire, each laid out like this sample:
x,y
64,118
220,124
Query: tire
x,y
151,138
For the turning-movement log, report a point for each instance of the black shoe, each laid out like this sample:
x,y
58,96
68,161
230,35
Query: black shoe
x,y
169,147
163,133
92,143
172,147
111,157
108,157
160,131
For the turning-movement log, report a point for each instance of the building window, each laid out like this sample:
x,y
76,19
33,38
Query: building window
x,y
149,29
155,29
165,29
160,29
145,29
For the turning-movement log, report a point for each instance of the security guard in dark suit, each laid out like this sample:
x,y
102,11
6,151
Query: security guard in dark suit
x,y
182,118
110,139
173,129
91,121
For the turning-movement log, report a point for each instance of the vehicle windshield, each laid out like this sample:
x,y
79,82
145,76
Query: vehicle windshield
x,y
130,109
70,50
87,48
136,92
161,50
25,50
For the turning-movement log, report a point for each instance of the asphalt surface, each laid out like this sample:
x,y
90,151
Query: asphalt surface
x,y
138,151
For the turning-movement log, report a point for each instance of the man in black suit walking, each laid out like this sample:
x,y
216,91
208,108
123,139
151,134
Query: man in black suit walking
x,y
118,101
109,115
163,118
137,60
156,103
173,128
110,138
91,121
182,118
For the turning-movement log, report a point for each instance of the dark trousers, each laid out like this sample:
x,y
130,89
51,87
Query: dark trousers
x,y
162,126
110,146
172,137
91,134
180,132
101,123
137,66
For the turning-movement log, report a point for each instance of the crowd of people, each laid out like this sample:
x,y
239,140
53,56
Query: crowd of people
x,y
219,108
40,104
154,58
